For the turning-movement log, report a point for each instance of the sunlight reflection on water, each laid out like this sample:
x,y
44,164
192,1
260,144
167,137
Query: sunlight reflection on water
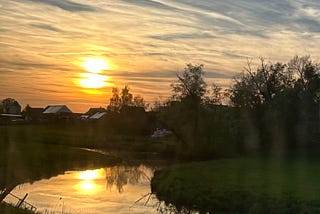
x,y
105,190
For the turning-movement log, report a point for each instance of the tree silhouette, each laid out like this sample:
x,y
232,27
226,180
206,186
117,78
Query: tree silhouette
x,y
125,98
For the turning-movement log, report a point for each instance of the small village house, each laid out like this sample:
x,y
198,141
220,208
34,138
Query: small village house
x,y
58,112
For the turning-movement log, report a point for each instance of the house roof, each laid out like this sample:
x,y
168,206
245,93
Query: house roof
x,y
97,115
54,109
92,111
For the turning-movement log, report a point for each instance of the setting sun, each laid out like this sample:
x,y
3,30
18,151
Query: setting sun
x,y
92,81
95,65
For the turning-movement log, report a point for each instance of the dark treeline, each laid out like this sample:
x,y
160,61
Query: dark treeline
x,y
275,105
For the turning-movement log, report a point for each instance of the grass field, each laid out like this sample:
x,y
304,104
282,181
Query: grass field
x,y
86,135
278,183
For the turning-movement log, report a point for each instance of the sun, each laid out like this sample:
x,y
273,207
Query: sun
x,y
95,65
93,81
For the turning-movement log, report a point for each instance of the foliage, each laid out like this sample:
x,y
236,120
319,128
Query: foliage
x,y
125,98
5,103
285,95
254,88
192,114
191,85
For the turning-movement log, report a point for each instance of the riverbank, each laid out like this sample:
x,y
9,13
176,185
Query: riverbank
x,y
86,135
9,209
33,152
286,183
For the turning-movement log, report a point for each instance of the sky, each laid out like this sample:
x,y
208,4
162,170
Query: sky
x,y
44,43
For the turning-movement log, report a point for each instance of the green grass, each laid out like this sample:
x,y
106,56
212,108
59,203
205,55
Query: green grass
x,y
287,183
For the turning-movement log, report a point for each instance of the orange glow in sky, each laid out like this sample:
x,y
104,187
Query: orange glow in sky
x,y
52,53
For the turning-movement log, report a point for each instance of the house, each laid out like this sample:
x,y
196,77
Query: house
x,y
57,113
94,114
92,111
32,114
11,119
97,115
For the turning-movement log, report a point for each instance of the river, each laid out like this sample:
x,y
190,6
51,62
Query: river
x,y
105,190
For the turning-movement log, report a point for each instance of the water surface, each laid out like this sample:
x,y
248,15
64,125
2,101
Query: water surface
x,y
105,190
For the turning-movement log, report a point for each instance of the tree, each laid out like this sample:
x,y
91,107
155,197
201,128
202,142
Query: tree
x,y
5,103
125,98
138,101
190,90
306,76
215,95
195,114
115,101
284,95
254,88
191,85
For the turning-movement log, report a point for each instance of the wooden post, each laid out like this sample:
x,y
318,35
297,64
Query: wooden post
x,y
20,202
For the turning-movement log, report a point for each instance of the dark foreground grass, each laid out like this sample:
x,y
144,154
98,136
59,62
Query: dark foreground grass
x,y
279,184
8,209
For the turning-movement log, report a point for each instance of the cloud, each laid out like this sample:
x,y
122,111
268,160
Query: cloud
x,y
151,4
66,5
148,41
176,36
46,27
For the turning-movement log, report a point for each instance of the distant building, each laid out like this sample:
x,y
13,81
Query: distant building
x,y
97,116
58,113
94,114
11,119
56,109
32,114
92,111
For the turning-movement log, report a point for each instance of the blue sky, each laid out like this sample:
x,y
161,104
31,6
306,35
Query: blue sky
x,y
146,41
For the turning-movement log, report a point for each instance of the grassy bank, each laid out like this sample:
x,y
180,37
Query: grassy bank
x,y
286,183
8,209
87,135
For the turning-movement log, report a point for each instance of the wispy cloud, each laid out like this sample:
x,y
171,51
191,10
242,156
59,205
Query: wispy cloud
x,y
148,41
66,5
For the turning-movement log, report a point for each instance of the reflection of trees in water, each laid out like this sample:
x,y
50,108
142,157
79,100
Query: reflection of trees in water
x,y
119,176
